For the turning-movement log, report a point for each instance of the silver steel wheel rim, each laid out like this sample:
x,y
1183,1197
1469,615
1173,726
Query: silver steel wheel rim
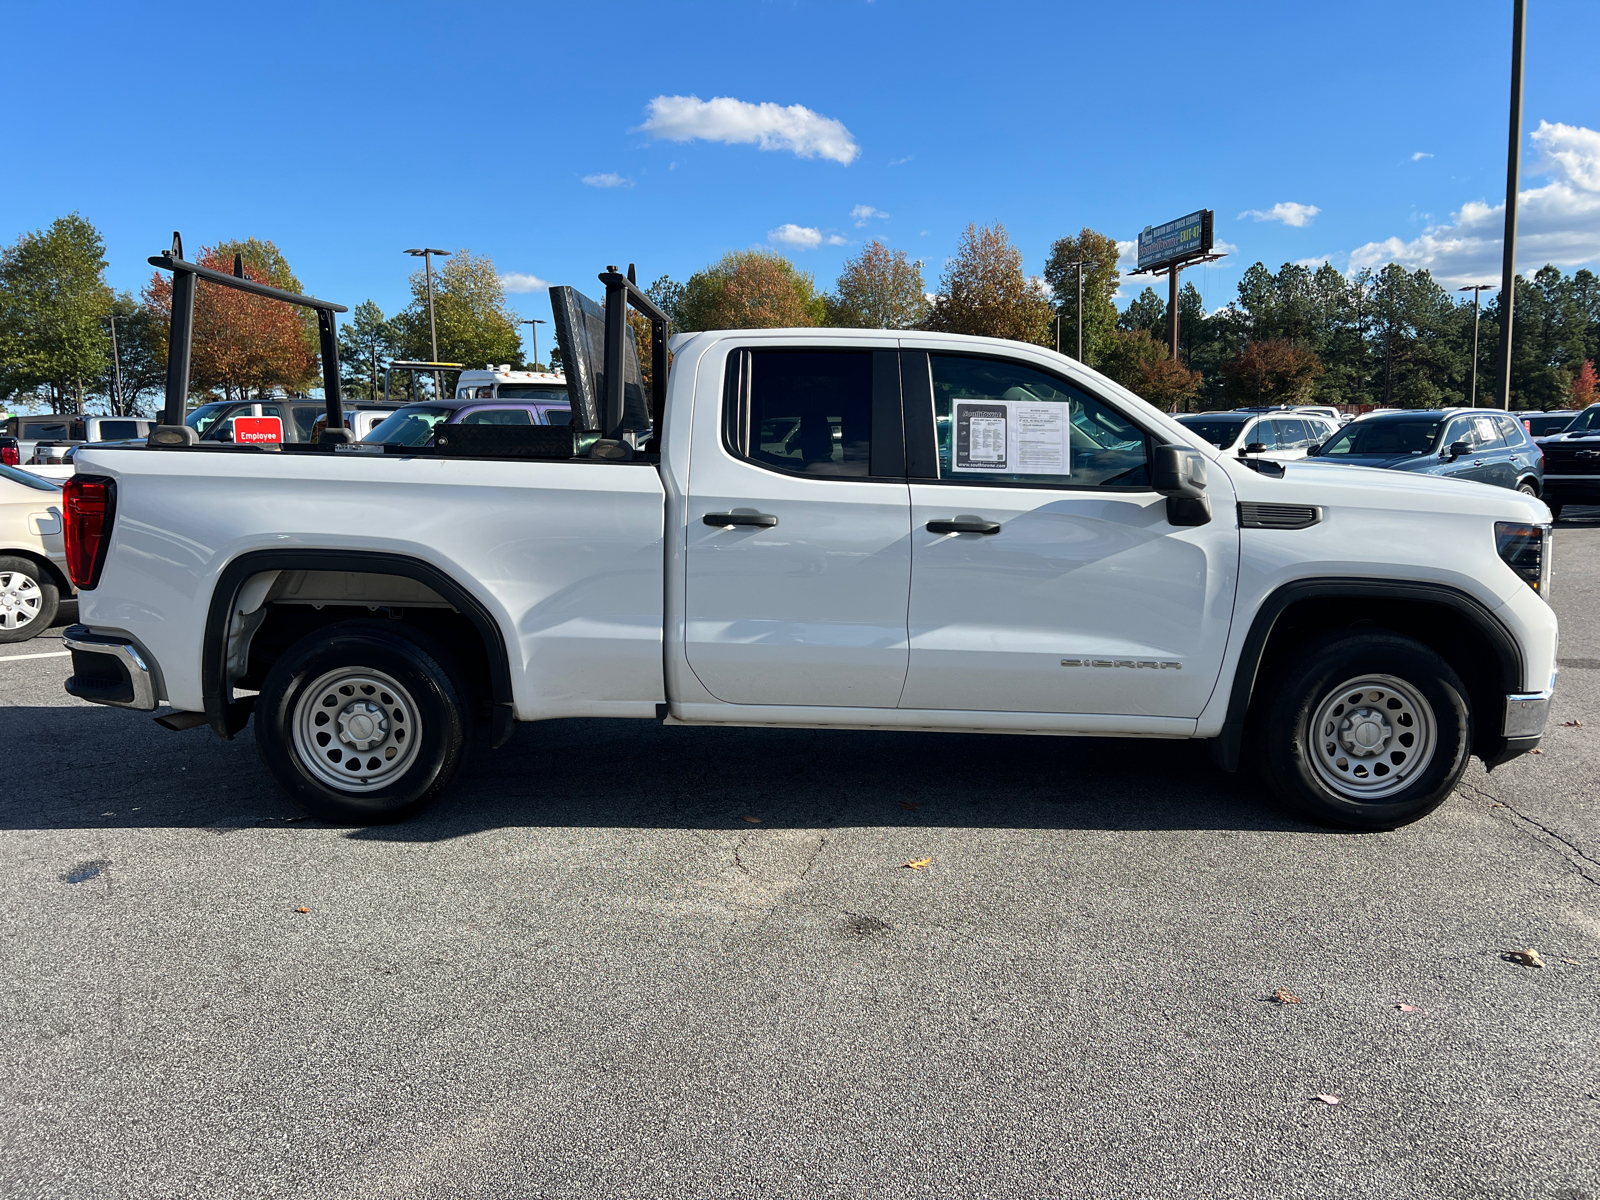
x,y
20,599
356,729
1371,737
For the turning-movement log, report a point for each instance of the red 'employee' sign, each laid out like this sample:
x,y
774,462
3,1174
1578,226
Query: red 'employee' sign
x,y
258,431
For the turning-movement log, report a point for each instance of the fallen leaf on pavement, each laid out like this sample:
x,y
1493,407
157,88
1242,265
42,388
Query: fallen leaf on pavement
x,y
1406,1007
1570,961
752,820
1536,750
1283,997
917,864
1573,724
1497,806
302,909
907,804
1528,958
1330,1101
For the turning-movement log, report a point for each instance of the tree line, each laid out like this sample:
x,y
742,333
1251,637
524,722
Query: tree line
x,y
68,341
1393,337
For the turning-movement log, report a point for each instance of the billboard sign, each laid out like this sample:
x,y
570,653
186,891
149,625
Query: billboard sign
x,y
1187,237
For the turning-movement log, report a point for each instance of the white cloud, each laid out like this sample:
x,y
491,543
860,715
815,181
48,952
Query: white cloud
x,y
863,213
518,281
900,162
1314,262
608,180
1558,223
1419,155
1290,213
803,237
769,126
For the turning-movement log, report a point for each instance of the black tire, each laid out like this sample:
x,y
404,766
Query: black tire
x,y
1528,488
1422,694
1555,509
366,686
29,599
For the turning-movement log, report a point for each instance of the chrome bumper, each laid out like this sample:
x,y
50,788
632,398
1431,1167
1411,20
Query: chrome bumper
x,y
109,669
1526,714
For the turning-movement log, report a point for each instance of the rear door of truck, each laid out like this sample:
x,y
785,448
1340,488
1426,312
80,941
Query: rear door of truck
x,y
798,549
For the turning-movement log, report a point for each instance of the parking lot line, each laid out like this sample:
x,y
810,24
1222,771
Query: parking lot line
x,y
47,654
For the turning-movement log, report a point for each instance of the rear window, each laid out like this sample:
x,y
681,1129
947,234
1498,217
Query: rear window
x,y
1220,433
520,391
1382,439
117,430
49,431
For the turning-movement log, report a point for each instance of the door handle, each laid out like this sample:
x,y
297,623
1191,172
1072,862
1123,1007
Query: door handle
x,y
964,525
759,520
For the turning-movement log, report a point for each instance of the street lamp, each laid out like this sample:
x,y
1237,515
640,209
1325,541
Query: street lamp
x,y
1080,265
433,333
533,325
1475,288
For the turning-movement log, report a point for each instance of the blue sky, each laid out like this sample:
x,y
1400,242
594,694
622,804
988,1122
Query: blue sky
x,y
346,133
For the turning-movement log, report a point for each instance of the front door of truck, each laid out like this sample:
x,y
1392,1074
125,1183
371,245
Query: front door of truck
x,y
1045,575
798,560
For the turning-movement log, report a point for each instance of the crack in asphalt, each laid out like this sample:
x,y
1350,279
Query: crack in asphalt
x,y
1581,854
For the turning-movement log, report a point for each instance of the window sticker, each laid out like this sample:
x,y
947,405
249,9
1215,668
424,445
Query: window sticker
x,y
1012,437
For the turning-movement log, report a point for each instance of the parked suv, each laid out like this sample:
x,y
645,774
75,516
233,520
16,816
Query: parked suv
x,y
415,424
1462,443
214,421
1572,462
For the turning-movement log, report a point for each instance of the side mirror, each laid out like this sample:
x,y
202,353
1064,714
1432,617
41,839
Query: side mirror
x,y
1253,448
1179,474
1314,448
1457,449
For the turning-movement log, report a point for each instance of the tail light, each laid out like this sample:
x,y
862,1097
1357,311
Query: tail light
x,y
10,456
91,504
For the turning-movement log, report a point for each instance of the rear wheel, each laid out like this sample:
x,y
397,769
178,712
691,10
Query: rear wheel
x,y
1371,731
28,599
360,724
1527,488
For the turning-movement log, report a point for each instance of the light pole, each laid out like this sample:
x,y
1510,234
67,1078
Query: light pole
x,y
533,328
1475,289
116,362
1508,266
1080,265
433,333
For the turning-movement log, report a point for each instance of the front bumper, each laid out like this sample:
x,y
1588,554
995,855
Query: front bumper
x,y
1526,714
109,669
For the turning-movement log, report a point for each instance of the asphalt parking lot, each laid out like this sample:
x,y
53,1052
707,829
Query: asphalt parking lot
x,y
622,960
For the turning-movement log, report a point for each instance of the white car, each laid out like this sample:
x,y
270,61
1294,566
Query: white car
x,y
33,564
837,529
1279,436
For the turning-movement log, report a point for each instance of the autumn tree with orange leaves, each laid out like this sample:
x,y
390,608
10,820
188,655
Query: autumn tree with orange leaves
x,y
243,343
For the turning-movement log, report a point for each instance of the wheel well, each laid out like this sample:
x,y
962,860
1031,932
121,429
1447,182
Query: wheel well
x,y
1446,630
267,600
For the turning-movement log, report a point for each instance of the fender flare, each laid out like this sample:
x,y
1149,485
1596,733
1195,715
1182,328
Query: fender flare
x,y
1226,749
228,716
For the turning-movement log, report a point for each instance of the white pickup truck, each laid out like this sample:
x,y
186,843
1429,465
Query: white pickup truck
x,y
836,529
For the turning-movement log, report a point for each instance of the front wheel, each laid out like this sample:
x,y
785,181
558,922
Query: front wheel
x,y
1370,731
360,724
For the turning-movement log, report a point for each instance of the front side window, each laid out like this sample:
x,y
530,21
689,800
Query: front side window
x,y
1588,421
806,411
498,416
1002,422
1382,439
1265,435
203,418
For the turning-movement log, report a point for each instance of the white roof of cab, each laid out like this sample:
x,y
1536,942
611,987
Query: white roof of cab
x,y
504,374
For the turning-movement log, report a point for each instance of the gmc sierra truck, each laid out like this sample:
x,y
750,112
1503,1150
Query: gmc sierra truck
x,y
820,528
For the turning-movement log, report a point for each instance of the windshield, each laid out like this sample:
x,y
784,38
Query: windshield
x,y
1382,439
1585,422
28,479
412,425
207,415
1220,432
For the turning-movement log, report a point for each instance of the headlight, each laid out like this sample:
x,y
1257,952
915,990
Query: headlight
x,y
1526,550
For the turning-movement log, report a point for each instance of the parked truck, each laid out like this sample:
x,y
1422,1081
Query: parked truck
x,y
819,528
